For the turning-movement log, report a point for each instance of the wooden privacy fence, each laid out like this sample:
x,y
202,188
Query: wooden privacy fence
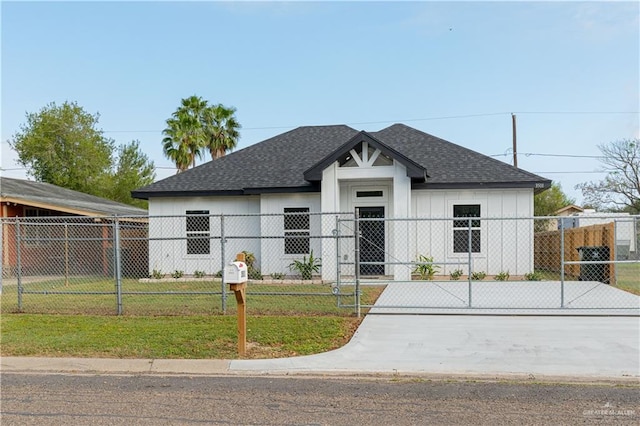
x,y
548,247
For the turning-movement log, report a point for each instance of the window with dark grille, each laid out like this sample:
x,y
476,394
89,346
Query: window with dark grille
x,y
461,228
296,230
368,194
198,232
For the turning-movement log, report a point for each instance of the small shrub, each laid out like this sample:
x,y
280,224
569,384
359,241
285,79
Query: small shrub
x,y
252,272
478,276
249,258
502,276
156,274
533,276
426,268
218,274
277,276
455,275
199,274
177,274
306,267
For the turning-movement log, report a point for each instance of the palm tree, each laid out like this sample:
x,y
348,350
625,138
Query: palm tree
x,y
184,135
173,147
221,129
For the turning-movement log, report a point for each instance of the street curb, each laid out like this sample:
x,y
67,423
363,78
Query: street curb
x,y
207,367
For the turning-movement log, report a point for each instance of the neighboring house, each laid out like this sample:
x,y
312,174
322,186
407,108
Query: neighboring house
x,y
566,220
626,227
36,202
397,172
569,210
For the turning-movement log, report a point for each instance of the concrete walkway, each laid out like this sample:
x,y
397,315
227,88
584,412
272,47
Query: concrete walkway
x,y
569,348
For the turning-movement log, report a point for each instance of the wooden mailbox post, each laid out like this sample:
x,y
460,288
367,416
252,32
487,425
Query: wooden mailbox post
x,y
239,289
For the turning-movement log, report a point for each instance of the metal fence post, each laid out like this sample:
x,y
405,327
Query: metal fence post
x,y
336,233
222,263
357,259
117,264
615,252
562,263
2,251
19,264
470,242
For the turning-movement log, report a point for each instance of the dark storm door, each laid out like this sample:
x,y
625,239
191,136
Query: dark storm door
x,y
372,240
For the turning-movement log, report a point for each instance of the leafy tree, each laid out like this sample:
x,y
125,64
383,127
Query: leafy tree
x,y
547,203
221,129
133,170
196,126
61,145
620,189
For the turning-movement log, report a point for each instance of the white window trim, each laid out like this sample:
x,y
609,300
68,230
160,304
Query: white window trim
x,y
364,200
483,229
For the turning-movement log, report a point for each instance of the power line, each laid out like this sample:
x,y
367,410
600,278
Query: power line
x,y
572,172
530,154
445,117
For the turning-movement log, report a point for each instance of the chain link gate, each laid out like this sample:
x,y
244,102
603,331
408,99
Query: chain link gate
x,y
466,264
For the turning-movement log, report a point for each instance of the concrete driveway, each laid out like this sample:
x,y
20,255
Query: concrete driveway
x,y
490,342
511,297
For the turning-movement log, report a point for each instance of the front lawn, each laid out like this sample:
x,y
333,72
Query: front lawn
x,y
97,296
185,337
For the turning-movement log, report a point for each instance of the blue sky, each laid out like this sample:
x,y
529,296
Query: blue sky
x,y
457,70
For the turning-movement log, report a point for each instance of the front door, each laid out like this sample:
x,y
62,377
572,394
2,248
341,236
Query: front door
x,y
372,240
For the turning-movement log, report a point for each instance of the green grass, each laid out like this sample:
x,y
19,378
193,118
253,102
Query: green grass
x,y
98,296
186,337
628,277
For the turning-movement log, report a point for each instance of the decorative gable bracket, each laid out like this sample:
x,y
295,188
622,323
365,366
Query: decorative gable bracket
x,y
348,152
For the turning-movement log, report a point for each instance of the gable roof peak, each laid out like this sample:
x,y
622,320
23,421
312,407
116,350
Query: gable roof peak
x,y
414,170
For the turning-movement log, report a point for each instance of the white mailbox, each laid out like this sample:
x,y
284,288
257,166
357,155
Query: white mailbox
x,y
236,273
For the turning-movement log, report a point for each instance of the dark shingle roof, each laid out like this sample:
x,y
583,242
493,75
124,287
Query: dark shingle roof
x,y
448,164
278,164
62,199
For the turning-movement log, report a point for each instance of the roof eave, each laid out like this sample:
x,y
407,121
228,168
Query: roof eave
x,y
145,195
74,210
537,186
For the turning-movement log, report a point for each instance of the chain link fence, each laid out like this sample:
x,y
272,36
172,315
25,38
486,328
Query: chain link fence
x,y
170,265
304,263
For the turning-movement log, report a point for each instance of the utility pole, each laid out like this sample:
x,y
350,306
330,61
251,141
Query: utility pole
x,y
515,143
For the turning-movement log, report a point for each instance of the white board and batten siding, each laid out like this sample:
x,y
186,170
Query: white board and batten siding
x,y
506,245
167,231
272,247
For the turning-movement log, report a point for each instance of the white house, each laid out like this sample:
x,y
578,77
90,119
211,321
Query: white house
x,y
396,173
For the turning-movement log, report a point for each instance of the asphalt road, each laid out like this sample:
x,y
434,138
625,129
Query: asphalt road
x,y
62,399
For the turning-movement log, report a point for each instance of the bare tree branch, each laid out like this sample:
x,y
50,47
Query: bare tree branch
x,y
620,189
